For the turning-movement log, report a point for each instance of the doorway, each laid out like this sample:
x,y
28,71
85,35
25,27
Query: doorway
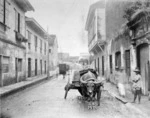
x,y
1,81
41,65
143,64
29,67
35,67
16,68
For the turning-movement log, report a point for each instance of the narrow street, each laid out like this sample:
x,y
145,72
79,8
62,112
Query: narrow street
x,y
46,100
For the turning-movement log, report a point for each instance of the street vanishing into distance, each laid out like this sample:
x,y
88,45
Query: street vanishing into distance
x,y
46,100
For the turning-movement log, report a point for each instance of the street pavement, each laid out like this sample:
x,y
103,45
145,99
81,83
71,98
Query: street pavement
x,y
46,100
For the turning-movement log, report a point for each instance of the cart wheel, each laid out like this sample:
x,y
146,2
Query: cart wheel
x,y
66,91
66,94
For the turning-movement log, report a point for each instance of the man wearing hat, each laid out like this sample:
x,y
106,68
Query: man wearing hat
x,y
137,87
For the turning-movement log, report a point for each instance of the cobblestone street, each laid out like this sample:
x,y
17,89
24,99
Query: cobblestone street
x,y
46,100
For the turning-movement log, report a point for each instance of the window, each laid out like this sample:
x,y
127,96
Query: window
x,y
45,67
35,39
49,50
40,45
127,60
118,59
18,25
4,12
41,65
29,39
45,48
19,65
110,62
5,64
103,65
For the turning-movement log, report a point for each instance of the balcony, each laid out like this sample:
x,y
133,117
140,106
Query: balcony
x,y
20,37
96,46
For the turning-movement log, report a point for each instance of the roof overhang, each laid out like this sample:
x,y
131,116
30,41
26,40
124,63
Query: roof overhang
x,y
34,25
93,7
98,47
24,5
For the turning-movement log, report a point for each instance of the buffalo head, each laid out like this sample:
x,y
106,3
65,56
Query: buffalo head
x,y
90,85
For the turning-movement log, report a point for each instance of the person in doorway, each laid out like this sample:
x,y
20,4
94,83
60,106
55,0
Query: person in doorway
x,y
116,75
137,88
121,82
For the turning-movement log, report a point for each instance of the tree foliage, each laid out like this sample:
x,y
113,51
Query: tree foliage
x,y
135,6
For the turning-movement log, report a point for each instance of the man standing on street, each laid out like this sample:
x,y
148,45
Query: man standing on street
x,y
137,87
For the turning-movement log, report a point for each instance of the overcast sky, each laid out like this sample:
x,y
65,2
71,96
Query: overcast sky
x,y
66,19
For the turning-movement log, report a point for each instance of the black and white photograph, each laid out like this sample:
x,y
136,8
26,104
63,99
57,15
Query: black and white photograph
x,y
74,58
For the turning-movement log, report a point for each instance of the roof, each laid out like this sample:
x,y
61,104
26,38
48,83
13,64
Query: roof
x,y
32,23
93,7
24,5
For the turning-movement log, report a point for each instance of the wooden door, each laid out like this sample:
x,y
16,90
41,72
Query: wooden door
x,y
143,60
29,67
1,83
35,67
16,69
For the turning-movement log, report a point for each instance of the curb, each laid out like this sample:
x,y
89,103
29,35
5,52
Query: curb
x,y
12,91
128,104
124,101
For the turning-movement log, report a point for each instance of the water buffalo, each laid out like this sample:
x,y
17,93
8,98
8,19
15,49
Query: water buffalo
x,y
88,85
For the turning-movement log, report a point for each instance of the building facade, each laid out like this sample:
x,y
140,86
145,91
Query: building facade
x,y
95,26
127,43
53,53
36,49
12,40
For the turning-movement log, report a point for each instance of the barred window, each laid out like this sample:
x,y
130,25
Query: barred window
x,y
5,64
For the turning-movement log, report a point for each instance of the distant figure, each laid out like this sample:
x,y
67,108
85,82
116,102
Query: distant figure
x,y
116,75
121,81
137,85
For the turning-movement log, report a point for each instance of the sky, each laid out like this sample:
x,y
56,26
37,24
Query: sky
x,y
66,19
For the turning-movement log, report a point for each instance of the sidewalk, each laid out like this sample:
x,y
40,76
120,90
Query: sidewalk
x,y
6,90
144,107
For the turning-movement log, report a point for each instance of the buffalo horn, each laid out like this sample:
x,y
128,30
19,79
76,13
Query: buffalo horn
x,y
82,81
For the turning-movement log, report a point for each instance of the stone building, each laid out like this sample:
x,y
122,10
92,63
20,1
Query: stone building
x,y
53,53
12,40
95,26
139,28
36,49
127,42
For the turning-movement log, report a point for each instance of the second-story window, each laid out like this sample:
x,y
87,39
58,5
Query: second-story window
x,y
29,39
4,12
18,22
45,49
41,46
35,39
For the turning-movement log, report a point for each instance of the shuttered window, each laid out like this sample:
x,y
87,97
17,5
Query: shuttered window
x,y
118,59
5,64
110,62
127,60
2,11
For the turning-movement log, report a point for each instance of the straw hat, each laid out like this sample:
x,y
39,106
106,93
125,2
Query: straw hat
x,y
117,67
136,70
121,68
